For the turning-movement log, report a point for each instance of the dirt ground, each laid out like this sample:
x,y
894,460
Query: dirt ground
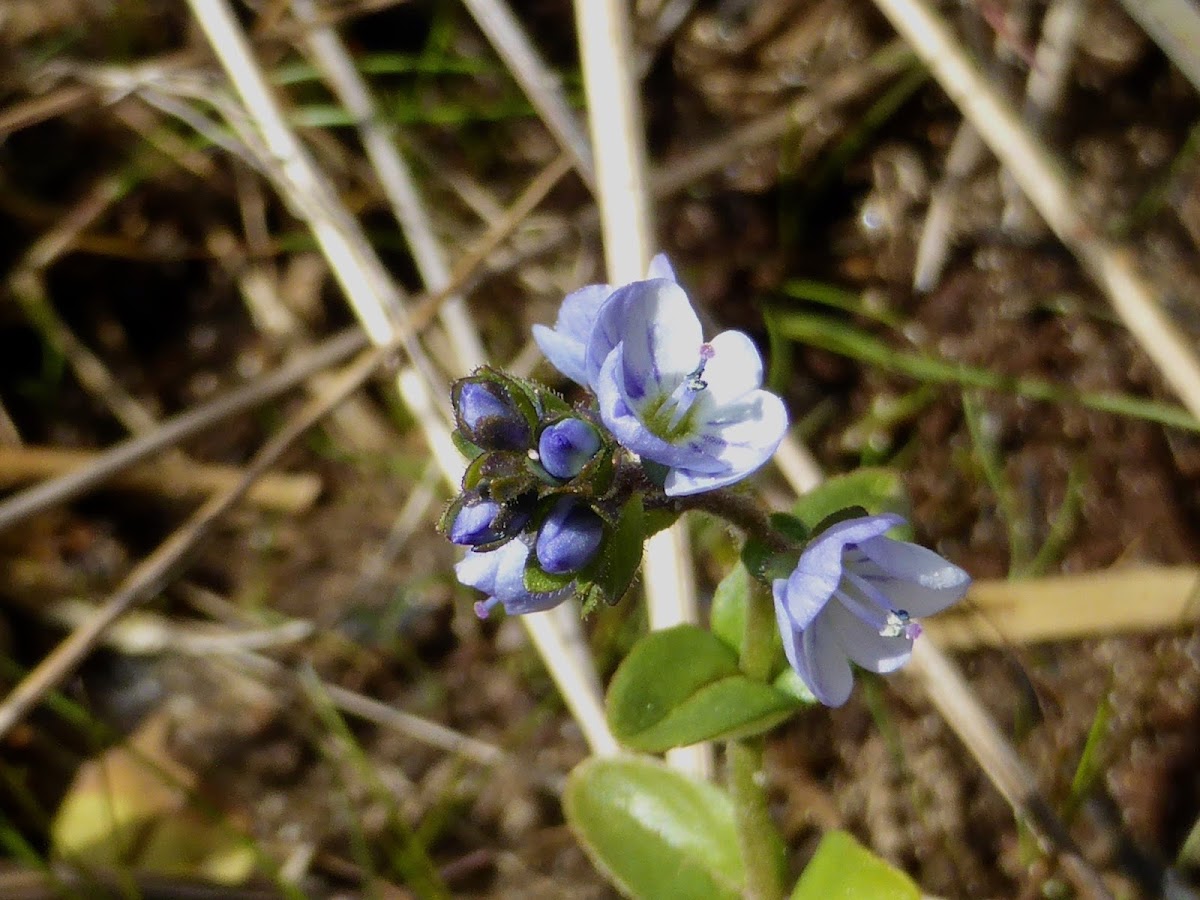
x,y
154,286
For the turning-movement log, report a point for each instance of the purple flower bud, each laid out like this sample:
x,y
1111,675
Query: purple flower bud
x,y
488,417
569,537
473,523
567,446
478,522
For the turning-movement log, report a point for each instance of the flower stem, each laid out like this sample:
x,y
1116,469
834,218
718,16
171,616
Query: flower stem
x,y
759,841
743,511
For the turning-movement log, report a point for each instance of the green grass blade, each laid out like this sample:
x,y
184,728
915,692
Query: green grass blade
x,y
840,337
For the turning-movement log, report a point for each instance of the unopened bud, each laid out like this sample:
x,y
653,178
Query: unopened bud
x,y
488,417
567,446
569,537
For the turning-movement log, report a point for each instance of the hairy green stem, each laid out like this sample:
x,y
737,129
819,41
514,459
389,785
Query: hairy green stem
x,y
759,841
743,511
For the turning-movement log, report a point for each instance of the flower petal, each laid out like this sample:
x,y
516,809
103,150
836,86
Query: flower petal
x,y
660,267
619,414
915,578
565,345
478,570
743,440
867,647
734,369
823,663
685,482
662,337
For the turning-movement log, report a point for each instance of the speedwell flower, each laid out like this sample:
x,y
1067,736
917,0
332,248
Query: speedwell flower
x,y
501,575
695,407
855,596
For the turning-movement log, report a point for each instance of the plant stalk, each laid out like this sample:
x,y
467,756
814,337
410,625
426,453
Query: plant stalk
x,y
760,843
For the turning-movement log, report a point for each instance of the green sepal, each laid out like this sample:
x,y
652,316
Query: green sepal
x,y
657,520
656,473
500,475
766,563
842,515
465,447
539,581
790,527
609,576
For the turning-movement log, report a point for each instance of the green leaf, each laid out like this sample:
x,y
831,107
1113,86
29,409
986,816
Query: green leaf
x,y
609,577
789,682
655,833
876,490
683,685
728,616
842,869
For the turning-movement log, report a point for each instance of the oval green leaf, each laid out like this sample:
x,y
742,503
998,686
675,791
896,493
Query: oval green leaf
x,y
655,833
875,489
842,869
682,686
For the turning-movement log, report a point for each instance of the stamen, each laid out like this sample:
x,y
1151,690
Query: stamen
x,y
684,395
897,624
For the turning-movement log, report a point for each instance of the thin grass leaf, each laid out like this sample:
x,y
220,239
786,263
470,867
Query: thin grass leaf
x,y
410,861
840,337
1092,762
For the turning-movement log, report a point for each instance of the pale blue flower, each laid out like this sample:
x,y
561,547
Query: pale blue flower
x,y
695,407
501,575
855,595
565,345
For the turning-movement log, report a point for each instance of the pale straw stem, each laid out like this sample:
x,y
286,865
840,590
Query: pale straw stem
x,y
1045,182
618,146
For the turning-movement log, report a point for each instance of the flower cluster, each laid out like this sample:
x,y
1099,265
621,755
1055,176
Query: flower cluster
x,y
552,501
527,506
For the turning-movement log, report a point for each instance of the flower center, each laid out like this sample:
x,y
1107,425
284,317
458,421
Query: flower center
x,y
669,419
873,608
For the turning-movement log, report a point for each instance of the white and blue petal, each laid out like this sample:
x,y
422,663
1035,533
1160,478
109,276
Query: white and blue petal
x,y
865,645
915,578
565,345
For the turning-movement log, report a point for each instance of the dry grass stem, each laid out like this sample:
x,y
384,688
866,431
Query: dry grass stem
x,y
280,492
1044,181
376,301
397,182
618,146
1175,26
948,690
540,83
1067,607
149,575
108,463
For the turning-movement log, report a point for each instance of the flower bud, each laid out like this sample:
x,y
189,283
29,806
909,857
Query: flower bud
x,y
476,522
569,537
488,417
567,446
